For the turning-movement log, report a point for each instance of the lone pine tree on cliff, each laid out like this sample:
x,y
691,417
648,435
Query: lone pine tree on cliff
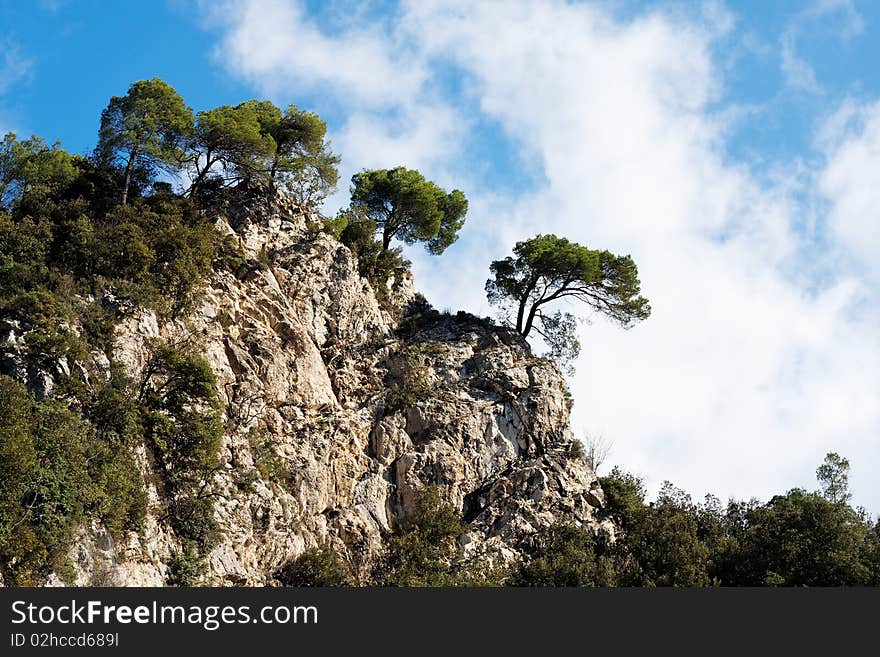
x,y
404,205
547,269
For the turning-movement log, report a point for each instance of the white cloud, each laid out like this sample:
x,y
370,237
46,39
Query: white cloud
x,y
851,22
274,45
797,72
381,80
840,16
752,365
851,181
13,65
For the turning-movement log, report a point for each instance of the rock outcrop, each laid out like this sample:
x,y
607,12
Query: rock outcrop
x,y
363,403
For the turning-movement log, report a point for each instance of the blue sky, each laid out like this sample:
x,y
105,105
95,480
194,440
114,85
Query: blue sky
x,y
79,53
733,148
76,54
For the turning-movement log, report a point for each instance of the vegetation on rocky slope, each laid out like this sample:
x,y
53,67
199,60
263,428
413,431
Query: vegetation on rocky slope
x,y
798,539
88,241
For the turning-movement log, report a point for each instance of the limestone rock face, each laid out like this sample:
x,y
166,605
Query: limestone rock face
x,y
363,404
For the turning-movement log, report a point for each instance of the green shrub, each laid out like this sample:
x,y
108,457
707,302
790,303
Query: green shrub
x,y
624,496
318,566
563,555
45,486
186,567
192,518
266,459
182,425
423,550
121,502
415,386
334,226
57,469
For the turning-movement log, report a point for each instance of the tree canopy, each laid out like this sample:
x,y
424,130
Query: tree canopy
x,y
796,539
151,129
407,207
833,476
803,539
800,538
302,162
147,127
256,141
229,143
317,566
32,166
547,269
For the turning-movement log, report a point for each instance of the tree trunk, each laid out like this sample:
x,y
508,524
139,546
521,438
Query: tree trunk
x,y
200,173
533,311
273,171
522,305
520,313
129,168
528,327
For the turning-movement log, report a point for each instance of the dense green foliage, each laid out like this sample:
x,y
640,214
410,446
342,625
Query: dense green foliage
x,y
800,539
319,566
796,539
404,205
563,555
56,469
64,238
547,269
151,130
423,550
144,129
181,420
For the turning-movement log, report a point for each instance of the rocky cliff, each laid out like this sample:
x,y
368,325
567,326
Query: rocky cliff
x,y
361,403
